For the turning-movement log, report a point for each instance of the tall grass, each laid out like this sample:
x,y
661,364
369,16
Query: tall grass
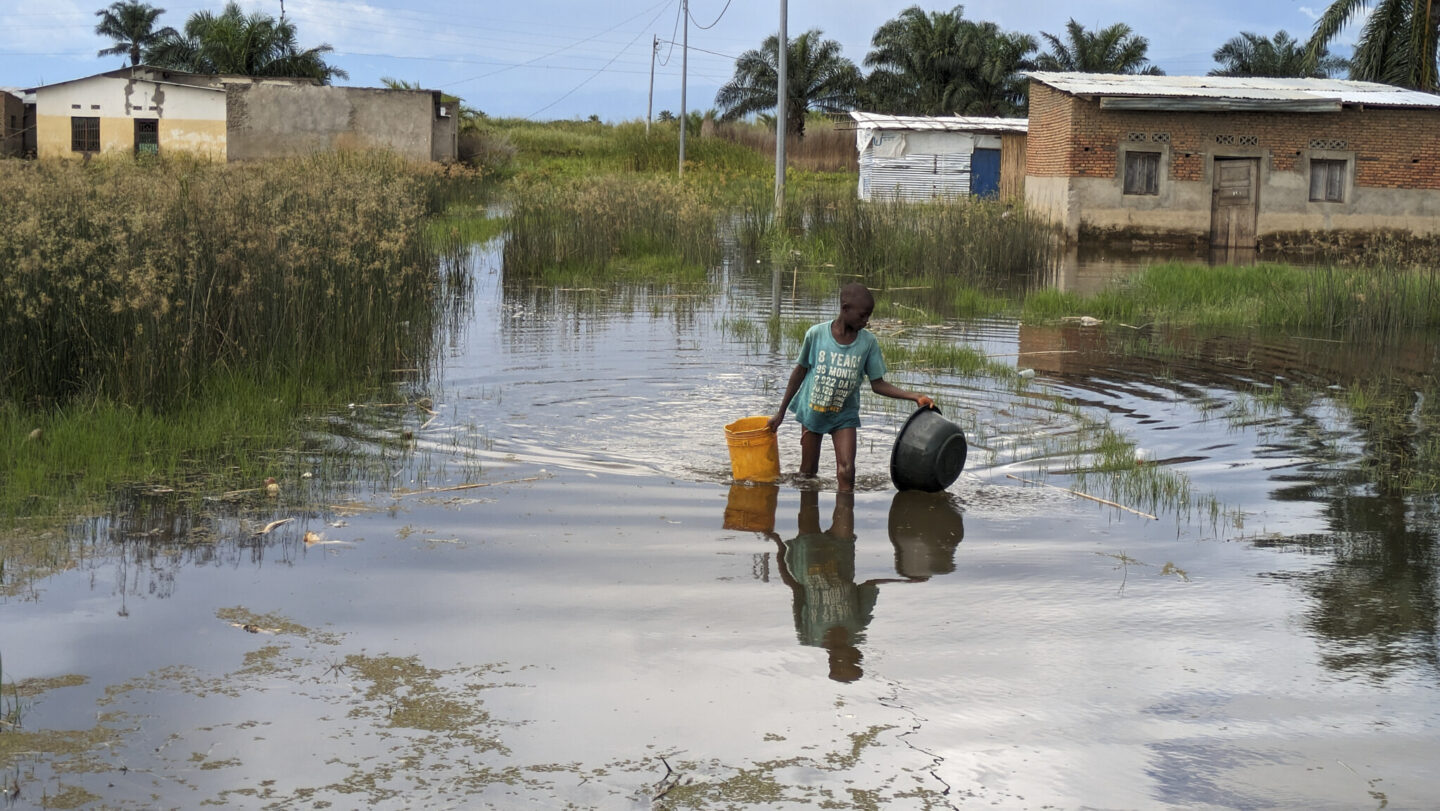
x,y
139,282
566,149
1373,301
965,239
824,148
611,226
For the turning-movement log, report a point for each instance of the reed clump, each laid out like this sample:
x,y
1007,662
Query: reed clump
x,y
137,282
970,240
611,226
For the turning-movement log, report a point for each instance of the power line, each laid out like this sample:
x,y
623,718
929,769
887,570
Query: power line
x,y
602,68
562,50
717,19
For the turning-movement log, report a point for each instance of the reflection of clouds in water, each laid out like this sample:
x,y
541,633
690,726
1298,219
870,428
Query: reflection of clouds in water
x,y
1199,773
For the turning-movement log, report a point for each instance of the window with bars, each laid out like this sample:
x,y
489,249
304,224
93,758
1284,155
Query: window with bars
x,y
84,133
1327,180
1142,172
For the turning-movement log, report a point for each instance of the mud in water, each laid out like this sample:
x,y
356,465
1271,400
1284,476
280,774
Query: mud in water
x,y
548,592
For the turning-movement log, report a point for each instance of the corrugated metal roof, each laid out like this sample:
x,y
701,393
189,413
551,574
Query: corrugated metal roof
x,y
1343,91
948,123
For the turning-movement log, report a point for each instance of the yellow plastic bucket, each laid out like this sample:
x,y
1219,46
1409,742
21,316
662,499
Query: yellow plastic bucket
x,y
751,507
754,450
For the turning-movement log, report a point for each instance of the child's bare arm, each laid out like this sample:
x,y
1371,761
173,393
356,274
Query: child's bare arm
x,y
797,376
887,389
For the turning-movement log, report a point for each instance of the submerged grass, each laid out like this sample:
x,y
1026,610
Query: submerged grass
x,y
1399,428
233,433
1375,302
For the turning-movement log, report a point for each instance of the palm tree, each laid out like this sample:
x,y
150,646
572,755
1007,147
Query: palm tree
x,y
1110,50
132,25
995,84
1283,56
244,44
1397,45
915,62
818,78
939,63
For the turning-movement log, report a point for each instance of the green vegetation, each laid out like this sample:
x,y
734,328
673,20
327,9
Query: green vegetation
x,y
939,63
817,78
1400,429
636,228
234,432
136,282
177,306
1113,49
235,42
1373,301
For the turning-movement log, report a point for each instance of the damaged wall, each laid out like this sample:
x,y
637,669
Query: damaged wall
x,y
267,121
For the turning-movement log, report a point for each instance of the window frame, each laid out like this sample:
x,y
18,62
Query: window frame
x,y
85,133
1336,178
1149,183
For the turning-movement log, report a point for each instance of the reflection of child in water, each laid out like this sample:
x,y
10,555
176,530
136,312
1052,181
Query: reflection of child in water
x,y
831,610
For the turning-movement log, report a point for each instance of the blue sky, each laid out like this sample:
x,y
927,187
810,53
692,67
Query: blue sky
x,y
549,59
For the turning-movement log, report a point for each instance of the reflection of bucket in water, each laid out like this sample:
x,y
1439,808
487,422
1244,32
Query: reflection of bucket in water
x,y
754,450
925,528
751,507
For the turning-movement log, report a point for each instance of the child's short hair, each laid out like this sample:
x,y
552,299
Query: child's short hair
x,y
856,293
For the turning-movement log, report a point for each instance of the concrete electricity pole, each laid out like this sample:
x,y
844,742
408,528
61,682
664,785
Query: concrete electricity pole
x,y
650,102
684,73
782,107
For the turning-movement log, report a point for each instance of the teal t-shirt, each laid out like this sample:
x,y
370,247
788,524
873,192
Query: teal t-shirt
x,y
829,397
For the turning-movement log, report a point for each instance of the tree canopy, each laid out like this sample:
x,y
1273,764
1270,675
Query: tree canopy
x,y
245,44
1115,49
939,63
132,25
817,78
1397,44
1281,56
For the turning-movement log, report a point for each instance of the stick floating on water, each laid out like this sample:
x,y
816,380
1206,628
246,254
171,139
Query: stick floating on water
x,y
1084,495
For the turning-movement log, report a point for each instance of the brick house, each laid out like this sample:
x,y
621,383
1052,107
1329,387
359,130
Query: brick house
x,y
1230,161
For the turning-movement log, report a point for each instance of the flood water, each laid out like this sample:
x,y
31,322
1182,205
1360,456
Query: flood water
x,y
606,622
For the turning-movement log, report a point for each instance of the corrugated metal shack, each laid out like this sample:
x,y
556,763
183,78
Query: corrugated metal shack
x,y
924,157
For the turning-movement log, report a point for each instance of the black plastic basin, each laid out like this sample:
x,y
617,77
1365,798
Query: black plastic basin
x,y
929,453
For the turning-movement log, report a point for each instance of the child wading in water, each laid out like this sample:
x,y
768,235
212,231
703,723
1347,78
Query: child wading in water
x,y
824,389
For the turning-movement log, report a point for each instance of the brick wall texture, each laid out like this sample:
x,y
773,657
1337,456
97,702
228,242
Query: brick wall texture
x,y
1394,148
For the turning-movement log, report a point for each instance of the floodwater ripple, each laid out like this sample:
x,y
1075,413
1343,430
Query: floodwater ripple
x,y
549,592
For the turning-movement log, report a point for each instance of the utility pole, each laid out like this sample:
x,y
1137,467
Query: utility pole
x,y
684,74
650,102
782,108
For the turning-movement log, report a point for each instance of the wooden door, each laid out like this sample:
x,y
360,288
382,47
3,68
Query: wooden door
x,y
1234,202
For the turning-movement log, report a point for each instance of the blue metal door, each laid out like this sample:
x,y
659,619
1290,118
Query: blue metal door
x,y
985,173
